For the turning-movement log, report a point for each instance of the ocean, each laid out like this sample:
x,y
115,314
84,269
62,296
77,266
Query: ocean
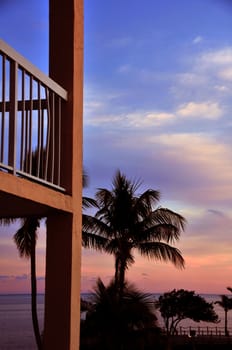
x,y
16,331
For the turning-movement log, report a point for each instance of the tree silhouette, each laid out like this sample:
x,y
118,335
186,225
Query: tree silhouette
x,y
178,305
113,321
226,304
25,239
126,221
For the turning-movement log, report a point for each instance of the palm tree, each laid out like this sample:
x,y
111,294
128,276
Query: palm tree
x,y
126,221
25,239
114,322
226,304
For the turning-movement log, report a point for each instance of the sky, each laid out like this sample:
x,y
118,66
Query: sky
x,y
157,106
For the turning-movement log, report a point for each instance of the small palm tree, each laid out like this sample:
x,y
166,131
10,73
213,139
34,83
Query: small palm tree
x,y
25,239
126,221
226,304
113,321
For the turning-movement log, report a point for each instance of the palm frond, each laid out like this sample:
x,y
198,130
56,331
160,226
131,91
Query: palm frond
x,y
90,240
7,221
167,216
24,236
85,178
144,203
88,202
166,232
163,252
92,225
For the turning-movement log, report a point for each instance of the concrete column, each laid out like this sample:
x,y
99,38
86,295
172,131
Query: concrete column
x,y
62,306
63,258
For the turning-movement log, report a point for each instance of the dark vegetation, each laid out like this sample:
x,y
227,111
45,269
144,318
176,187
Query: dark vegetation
x,y
177,305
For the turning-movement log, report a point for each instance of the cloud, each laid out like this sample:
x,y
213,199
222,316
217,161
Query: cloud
x,y
126,68
198,39
5,277
209,110
148,119
21,277
220,57
216,212
40,278
191,79
187,164
216,64
119,43
145,274
205,75
209,228
222,88
14,277
226,74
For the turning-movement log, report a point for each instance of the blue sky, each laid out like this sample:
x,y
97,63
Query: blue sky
x,y
157,105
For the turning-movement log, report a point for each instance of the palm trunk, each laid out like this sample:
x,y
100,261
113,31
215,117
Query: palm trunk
x,y
116,275
226,321
34,296
122,279
119,277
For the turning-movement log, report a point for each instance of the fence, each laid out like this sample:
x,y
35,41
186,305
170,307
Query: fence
x,y
203,331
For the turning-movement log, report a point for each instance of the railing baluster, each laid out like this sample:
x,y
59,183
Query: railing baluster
x,y
3,108
38,148
22,143
52,136
26,165
59,142
13,115
47,148
30,125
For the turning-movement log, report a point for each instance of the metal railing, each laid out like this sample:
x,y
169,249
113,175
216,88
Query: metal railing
x,y
30,120
202,331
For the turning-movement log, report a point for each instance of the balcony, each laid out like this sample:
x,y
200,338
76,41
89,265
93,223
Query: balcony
x,y
31,121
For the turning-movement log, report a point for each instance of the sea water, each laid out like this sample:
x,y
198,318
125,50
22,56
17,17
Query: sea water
x,y
16,331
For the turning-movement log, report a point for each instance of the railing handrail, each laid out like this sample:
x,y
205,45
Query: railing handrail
x,y
33,70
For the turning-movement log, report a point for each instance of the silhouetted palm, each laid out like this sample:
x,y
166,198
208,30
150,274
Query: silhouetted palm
x,y
87,202
226,304
126,221
113,320
25,239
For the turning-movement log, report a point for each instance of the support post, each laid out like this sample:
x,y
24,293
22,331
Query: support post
x,y
63,258
62,305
